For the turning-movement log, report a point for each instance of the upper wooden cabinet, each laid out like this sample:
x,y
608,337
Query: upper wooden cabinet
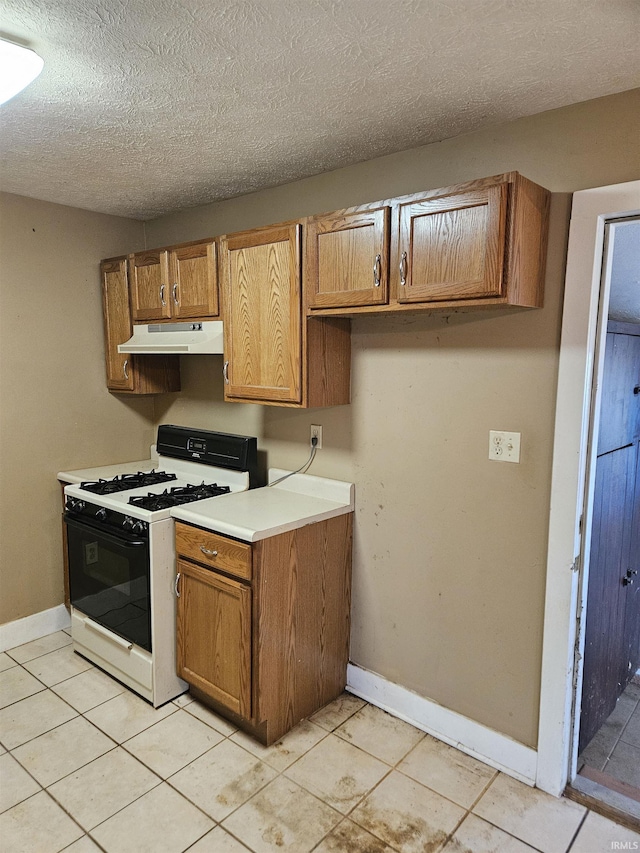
x,y
129,374
271,356
452,247
479,244
263,324
347,258
175,283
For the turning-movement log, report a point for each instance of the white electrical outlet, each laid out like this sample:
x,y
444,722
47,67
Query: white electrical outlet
x,y
504,446
316,432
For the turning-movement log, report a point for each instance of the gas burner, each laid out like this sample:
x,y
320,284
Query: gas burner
x,y
178,495
127,481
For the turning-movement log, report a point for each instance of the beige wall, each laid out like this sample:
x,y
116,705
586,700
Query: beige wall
x,y
449,554
55,412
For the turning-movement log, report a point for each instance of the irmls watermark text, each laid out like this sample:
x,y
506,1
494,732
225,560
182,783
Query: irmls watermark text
x,y
625,845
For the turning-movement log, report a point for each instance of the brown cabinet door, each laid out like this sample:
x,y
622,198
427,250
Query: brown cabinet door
x,y
194,281
214,636
149,282
262,312
117,323
347,259
452,247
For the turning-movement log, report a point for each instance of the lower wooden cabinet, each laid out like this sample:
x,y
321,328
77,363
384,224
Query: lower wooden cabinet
x,y
270,650
129,374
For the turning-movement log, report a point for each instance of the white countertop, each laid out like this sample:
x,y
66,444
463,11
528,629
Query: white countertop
x,y
259,513
106,472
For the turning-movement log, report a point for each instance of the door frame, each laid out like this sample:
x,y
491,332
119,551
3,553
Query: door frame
x,y
572,477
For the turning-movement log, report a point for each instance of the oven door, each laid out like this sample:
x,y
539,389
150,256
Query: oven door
x,y
109,579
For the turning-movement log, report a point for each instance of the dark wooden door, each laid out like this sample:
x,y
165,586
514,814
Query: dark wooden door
x,y
612,632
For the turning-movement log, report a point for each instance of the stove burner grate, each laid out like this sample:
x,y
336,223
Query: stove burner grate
x,y
123,482
178,495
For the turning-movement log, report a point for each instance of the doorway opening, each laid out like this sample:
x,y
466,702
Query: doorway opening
x,y
607,718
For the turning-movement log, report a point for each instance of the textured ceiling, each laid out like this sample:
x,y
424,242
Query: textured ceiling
x,y
150,106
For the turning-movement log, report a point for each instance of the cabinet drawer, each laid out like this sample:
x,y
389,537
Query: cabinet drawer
x,y
212,549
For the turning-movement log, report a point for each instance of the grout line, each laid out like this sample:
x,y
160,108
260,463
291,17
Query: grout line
x,y
577,832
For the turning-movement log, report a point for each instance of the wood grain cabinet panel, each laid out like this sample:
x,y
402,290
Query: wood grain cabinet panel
x,y
214,636
347,258
263,322
175,283
453,247
129,374
211,549
272,665
482,244
194,281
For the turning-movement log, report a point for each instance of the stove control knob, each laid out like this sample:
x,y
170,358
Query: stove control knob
x,y
75,505
101,514
139,527
128,523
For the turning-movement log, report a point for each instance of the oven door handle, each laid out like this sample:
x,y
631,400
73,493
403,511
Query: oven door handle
x,y
116,539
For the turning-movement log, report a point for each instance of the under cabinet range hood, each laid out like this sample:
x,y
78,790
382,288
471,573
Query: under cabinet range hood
x,y
175,338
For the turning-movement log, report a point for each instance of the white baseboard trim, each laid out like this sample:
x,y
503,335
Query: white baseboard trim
x,y
33,627
499,751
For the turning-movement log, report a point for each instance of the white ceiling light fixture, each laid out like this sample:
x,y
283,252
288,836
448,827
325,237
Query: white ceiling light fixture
x,y
19,66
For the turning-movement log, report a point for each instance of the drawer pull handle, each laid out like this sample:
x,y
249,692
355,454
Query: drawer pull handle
x,y
225,372
208,552
175,585
403,269
162,301
174,291
104,632
124,368
377,271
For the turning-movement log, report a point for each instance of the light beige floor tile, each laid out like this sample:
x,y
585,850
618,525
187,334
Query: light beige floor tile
x,y
39,647
15,783
88,689
159,822
83,845
537,818
63,750
335,713
282,815
624,764
348,837
6,662
475,834
407,816
32,717
57,666
598,834
631,733
218,841
100,789
447,771
183,700
380,734
337,772
16,684
222,779
174,742
288,749
127,715
37,824
211,718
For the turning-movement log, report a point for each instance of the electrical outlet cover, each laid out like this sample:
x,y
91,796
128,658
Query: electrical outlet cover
x,y
504,446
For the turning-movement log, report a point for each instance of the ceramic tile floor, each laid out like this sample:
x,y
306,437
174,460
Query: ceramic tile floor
x,y
85,765
616,747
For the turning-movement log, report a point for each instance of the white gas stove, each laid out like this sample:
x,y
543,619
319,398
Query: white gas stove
x,y
120,546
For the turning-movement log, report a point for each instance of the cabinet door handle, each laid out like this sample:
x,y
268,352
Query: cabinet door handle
x,y
174,291
175,585
208,552
162,295
377,271
403,269
225,372
124,368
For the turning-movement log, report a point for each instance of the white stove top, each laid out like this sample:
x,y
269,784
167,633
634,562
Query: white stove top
x,y
187,474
